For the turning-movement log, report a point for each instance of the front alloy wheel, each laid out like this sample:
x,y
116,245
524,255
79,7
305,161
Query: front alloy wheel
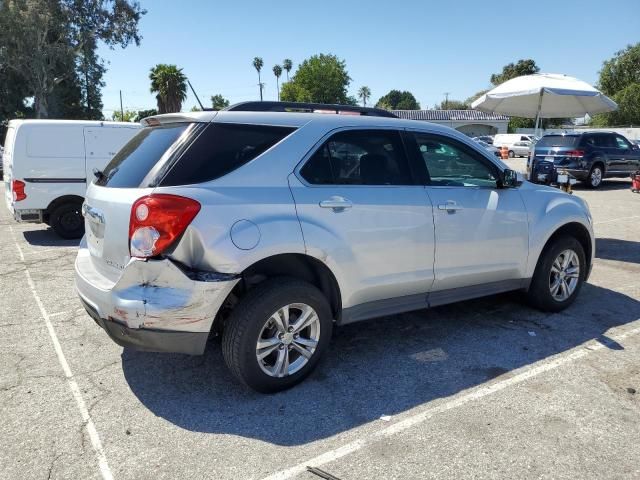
x,y
559,275
288,340
564,275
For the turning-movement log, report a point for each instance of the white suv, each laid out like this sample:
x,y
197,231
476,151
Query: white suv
x,y
270,227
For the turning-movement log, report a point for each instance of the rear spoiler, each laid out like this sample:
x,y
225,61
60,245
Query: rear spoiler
x,y
166,118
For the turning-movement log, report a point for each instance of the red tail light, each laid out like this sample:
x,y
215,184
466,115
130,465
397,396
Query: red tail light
x,y
17,187
156,221
575,153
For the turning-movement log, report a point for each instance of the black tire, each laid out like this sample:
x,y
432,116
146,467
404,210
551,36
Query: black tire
x,y
592,181
244,325
511,154
539,295
66,220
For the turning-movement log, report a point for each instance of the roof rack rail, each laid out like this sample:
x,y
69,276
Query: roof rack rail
x,y
304,107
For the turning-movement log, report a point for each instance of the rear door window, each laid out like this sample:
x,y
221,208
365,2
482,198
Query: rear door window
x,y
220,149
136,159
359,157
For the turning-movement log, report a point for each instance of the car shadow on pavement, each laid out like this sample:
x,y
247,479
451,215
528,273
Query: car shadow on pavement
x,y
48,238
381,367
606,185
616,249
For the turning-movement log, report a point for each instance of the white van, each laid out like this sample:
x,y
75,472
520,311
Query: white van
x,y
48,163
508,139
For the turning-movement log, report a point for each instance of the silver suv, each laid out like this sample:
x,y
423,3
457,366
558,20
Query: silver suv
x,y
269,228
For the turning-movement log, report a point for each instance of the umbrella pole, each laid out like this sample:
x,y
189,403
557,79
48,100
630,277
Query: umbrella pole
x,y
532,156
535,131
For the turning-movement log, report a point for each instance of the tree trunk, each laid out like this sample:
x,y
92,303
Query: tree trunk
x,y
41,107
260,85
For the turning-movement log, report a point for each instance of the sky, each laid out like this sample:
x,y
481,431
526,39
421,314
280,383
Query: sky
x,y
426,47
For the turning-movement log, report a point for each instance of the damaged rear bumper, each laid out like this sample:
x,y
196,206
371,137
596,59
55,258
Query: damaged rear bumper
x,y
155,305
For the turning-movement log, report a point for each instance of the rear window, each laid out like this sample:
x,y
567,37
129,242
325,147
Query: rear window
x,y
135,160
558,141
222,148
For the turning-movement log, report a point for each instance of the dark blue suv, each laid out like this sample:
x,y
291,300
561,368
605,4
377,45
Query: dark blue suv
x,y
590,156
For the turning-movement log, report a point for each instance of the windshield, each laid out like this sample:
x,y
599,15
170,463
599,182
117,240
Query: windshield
x,y
558,141
137,158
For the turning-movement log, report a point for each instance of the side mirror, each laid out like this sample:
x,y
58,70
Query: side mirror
x,y
635,146
509,179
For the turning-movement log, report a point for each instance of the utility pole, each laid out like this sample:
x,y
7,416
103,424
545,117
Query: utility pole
x,y
446,100
121,109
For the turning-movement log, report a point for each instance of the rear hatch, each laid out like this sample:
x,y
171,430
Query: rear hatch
x,y
559,149
129,176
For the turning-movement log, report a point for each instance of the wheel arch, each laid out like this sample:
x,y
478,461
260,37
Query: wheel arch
x,y
576,230
292,265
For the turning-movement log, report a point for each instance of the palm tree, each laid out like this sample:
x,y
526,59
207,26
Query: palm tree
x,y
287,64
277,71
257,64
170,86
364,93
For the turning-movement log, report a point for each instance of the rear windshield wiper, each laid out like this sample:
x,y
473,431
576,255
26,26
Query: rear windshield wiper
x,y
98,174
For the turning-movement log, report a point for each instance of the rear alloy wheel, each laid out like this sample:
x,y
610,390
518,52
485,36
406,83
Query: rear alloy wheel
x,y
595,177
66,220
276,335
559,275
511,154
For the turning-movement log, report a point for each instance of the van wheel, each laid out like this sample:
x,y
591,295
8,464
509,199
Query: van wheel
x,y
559,275
66,220
276,335
511,154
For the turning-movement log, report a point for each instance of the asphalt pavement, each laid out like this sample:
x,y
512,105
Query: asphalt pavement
x,y
482,389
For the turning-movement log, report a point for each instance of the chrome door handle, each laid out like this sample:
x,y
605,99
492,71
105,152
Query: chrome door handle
x,y
337,203
450,207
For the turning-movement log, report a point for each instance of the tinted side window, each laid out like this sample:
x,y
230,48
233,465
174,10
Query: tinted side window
x,y
622,143
453,164
605,141
133,162
359,157
222,148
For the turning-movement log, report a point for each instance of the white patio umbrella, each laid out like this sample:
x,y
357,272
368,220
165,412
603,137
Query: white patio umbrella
x,y
544,95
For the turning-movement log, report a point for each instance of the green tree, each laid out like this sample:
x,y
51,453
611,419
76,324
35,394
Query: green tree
x,y
277,71
620,71
475,96
321,78
51,45
170,86
144,114
34,41
129,116
257,64
111,22
398,100
218,102
287,64
522,67
452,105
364,94
628,113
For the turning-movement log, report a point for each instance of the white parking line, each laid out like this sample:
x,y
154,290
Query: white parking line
x,y
73,385
520,376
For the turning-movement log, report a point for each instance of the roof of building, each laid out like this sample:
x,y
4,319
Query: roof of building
x,y
448,115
